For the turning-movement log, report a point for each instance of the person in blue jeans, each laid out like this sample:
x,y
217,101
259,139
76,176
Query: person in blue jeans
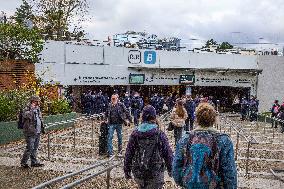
x,y
116,115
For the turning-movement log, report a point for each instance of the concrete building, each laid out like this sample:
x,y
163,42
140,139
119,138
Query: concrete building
x,y
149,70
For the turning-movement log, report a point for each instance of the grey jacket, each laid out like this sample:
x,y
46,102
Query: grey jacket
x,y
29,122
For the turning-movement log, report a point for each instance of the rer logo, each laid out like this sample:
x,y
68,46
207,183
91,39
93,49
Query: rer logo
x,y
134,57
149,57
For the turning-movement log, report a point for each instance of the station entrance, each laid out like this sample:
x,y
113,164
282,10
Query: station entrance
x,y
224,94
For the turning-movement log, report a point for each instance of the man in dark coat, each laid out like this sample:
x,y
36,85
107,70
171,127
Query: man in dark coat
x,y
32,128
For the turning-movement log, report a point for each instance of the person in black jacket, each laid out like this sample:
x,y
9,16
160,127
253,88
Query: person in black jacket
x,y
116,115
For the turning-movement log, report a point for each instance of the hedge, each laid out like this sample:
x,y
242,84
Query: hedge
x,y
9,131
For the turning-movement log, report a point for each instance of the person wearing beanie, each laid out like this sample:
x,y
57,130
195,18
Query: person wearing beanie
x,y
32,128
148,153
204,158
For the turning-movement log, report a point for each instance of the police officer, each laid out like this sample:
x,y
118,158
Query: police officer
x,y
190,108
127,101
136,107
100,103
88,103
155,101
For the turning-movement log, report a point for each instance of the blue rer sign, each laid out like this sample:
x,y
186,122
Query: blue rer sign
x,y
150,57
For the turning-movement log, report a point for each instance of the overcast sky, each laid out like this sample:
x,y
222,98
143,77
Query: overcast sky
x,y
223,20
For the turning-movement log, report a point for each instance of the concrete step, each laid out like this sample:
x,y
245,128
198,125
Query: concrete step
x,y
262,153
260,164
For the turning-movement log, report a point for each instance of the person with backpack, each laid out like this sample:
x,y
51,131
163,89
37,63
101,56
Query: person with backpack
x,y
190,108
30,120
136,107
148,153
178,117
274,112
116,115
204,158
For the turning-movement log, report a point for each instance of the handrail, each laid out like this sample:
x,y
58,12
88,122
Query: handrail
x,y
84,117
77,182
249,142
245,137
60,178
164,117
275,175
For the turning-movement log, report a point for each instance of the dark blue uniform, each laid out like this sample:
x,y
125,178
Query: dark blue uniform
x,y
99,104
136,107
156,103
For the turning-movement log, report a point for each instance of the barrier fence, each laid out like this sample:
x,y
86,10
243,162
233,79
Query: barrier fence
x,y
240,133
274,123
84,117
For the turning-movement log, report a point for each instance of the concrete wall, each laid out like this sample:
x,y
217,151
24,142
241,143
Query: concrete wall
x,y
271,81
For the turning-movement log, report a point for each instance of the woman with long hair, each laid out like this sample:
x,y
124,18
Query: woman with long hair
x,y
178,117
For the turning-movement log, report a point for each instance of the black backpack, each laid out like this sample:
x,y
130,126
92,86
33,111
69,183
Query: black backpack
x,y
20,120
147,158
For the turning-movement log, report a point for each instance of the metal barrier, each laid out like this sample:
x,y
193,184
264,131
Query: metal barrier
x,y
164,118
273,121
84,117
87,177
251,140
273,171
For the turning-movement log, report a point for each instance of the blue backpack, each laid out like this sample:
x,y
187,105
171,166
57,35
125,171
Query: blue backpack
x,y
201,161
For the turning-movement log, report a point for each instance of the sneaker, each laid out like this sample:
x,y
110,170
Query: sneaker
x,y
25,166
37,165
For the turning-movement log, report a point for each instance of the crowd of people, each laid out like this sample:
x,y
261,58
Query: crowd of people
x,y
203,157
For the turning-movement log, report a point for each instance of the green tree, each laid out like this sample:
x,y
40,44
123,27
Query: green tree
x,y
225,45
210,42
19,42
24,13
57,17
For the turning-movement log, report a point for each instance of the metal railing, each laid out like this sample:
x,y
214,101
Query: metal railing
x,y
274,122
275,174
164,118
84,117
107,170
241,133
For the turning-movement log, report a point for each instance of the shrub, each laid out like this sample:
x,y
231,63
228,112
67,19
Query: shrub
x,y
11,102
59,106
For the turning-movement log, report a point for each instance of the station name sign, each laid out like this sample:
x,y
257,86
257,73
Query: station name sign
x,y
136,78
187,79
